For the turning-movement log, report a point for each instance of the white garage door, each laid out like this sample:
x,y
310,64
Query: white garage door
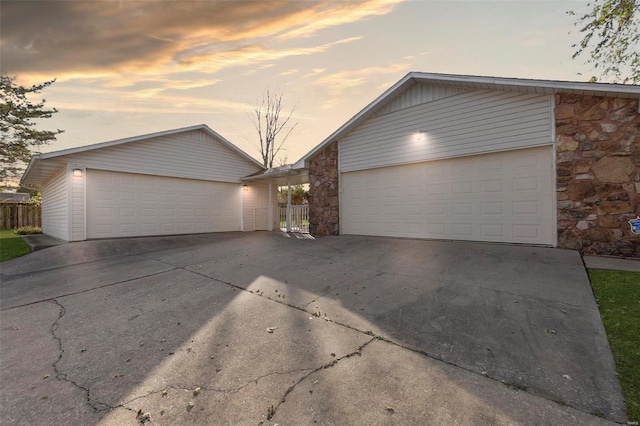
x,y
127,204
502,197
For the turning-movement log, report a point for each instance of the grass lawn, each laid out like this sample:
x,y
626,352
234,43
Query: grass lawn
x,y
11,245
618,296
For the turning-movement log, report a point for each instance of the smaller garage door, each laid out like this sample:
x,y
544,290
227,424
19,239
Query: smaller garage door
x,y
127,204
501,197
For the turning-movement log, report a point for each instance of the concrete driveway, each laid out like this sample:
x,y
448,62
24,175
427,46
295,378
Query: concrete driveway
x,y
262,328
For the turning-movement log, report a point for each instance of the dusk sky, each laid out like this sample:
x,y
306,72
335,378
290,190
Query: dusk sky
x,y
126,68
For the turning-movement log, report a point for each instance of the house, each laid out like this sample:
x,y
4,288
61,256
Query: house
x,y
505,160
180,181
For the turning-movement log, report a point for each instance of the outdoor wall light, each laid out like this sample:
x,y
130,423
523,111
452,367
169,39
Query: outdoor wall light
x,y
77,172
245,187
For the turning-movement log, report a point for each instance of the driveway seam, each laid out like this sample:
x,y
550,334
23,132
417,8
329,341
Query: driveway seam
x,y
85,291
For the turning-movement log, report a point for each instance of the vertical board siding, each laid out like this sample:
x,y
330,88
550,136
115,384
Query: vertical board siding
x,y
419,94
55,213
77,208
195,155
475,122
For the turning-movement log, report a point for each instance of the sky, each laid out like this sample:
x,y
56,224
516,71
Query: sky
x,y
126,68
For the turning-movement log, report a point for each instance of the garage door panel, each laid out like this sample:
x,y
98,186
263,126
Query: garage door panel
x,y
127,204
501,197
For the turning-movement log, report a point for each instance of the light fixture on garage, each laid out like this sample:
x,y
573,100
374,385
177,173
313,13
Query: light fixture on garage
x,y
245,187
77,172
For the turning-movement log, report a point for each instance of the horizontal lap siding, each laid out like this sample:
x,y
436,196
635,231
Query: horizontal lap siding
x,y
195,155
474,122
55,212
420,94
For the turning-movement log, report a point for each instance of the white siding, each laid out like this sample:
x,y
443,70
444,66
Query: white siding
x,y
249,203
77,207
419,94
195,155
256,196
475,122
55,207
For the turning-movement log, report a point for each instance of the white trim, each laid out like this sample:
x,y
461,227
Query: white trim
x,y
338,172
69,185
84,183
241,186
554,175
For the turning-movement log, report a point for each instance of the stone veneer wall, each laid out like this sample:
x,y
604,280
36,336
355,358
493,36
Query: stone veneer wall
x,y
323,192
598,173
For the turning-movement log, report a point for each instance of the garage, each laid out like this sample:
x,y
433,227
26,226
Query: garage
x,y
129,204
180,181
501,197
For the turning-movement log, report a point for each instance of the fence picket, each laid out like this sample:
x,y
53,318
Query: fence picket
x,y
17,215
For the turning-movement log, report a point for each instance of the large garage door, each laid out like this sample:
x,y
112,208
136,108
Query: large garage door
x,y
127,204
502,197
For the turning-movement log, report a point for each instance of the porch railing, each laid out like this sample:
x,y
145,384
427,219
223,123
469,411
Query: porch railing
x,y
299,216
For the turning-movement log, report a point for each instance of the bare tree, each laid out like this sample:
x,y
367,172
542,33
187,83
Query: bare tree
x,y
272,126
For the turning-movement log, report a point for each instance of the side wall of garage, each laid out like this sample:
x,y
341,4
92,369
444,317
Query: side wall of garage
x,y
55,213
598,173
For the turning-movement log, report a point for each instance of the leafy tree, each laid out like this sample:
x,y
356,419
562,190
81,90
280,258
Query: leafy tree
x,y
18,135
269,123
611,40
298,195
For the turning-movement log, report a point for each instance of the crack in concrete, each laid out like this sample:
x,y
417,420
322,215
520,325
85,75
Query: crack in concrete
x,y
53,299
272,410
204,388
96,406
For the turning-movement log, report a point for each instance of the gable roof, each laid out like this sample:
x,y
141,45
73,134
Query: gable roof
x,y
543,87
43,166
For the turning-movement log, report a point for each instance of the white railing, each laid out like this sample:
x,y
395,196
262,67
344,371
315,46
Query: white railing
x,y
298,219
262,219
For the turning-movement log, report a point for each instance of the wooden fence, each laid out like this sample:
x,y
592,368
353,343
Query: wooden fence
x,y
16,215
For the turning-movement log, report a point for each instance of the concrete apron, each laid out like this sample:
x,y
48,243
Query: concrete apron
x,y
249,328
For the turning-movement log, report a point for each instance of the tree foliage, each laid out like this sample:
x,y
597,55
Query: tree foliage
x,y
18,134
611,39
272,124
298,195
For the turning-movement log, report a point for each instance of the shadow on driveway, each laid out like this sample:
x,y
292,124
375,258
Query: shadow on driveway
x,y
247,328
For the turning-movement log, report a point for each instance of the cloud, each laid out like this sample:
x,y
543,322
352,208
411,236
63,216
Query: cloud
x,y
339,14
289,72
88,39
315,71
350,78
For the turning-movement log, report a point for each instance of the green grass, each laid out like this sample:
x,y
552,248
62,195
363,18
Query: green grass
x,y
11,245
618,296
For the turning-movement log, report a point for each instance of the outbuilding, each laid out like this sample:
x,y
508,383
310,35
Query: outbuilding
x,y
485,159
180,181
